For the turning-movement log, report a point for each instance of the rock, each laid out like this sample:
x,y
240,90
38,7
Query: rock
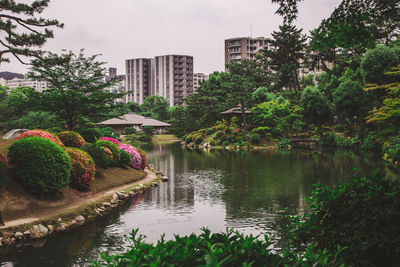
x,y
38,231
80,219
97,212
62,227
165,178
59,220
18,235
1,241
115,197
73,222
154,184
51,228
122,195
159,173
27,233
113,202
106,204
131,194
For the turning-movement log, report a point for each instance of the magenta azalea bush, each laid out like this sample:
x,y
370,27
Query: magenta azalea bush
x,y
135,155
42,134
115,141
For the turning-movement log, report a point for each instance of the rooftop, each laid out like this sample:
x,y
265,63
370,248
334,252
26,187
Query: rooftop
x,y
135,119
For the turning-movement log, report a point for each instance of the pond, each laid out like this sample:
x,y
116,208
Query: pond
x,y
219,189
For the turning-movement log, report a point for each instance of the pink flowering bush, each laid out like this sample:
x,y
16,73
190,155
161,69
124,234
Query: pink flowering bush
x,y
115,141
42,134
136,161
108,153
3,161
82,169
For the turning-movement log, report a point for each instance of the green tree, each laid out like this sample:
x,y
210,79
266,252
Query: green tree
x,y
156,107
134,107
316,107
285,53
22,31
39,120
77,92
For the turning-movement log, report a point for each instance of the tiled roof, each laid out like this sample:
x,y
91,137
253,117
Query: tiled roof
x,y
135,119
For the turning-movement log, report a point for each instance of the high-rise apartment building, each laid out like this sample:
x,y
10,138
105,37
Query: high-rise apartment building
x,y
169,76
197,79
138,74
240,48
39,86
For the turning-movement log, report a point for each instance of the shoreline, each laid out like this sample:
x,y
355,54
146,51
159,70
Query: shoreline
x,y
28,230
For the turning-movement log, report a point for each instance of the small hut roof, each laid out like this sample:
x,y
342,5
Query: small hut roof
x,y
135,119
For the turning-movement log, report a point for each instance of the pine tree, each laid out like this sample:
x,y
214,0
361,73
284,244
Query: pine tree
x,y
22,33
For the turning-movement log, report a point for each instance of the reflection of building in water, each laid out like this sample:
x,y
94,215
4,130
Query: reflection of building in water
x,y
173,191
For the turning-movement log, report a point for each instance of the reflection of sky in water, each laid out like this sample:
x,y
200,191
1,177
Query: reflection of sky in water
x,y
240,190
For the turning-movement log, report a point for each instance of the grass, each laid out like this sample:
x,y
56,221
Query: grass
x,y
4,144
163,138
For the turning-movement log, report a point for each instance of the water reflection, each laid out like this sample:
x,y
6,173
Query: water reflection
x,y
216,189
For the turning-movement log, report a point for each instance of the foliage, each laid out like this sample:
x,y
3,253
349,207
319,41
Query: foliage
x,y
113,147
210,131
38,120
143,156
198,140
218,134
90,134
71,139
129,130
108,154
347,142
284,144
156,107
255,138
75,95
113,140
280,117
136,159
391,148
212,142
361,215
22,31
82,169
189,139
98,155
329,140
3,169
377,62
42,134
316,107
43,166
124,158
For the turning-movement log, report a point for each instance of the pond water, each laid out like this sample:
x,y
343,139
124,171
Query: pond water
x,y
219,189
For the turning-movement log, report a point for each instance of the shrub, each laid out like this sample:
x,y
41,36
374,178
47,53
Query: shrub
x,y
71,139
189,139
347,142
329,140
136,159
115,141
3,169
391,148
198,140
144,158
82,169
212,142
43,166
124,158
339,128
255,138
284,144
209,131
218,134
361,215
113,147
98,154
129,130
369,143
90,134
108,153
42,134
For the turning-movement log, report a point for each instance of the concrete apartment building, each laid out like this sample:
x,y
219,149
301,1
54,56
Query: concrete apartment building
x,y
119,86
169,76
197,79
240,48
39,86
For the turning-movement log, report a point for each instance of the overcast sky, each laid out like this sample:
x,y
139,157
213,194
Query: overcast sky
x,y
125,29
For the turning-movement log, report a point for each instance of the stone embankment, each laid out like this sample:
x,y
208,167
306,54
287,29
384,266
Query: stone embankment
x,y
30,233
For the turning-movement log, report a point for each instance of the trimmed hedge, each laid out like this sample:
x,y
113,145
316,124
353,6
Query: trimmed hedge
x,y
144,158
82,169
90,134
108,153
43,166
113,147
42,134
255,138
99,156
124,158
71,139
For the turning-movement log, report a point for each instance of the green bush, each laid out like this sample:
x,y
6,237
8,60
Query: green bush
x,y
113,147
255,138
209,131
361,216
43,166
124,158
98,155
90,134
339,128
189,139
347,142
369,143
218,249
129,130
218,134
212,142
329,140
198,140
71,139
391,150
284,144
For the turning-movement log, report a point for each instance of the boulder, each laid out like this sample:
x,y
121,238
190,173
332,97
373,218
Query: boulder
x,y
38,231
18,235
80,219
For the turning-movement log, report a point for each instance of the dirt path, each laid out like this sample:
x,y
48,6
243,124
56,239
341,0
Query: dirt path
x,y
71,202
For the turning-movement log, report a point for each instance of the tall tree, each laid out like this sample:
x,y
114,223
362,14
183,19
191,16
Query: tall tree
x,y
285,53
156,107
77,92
22,33
288,9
